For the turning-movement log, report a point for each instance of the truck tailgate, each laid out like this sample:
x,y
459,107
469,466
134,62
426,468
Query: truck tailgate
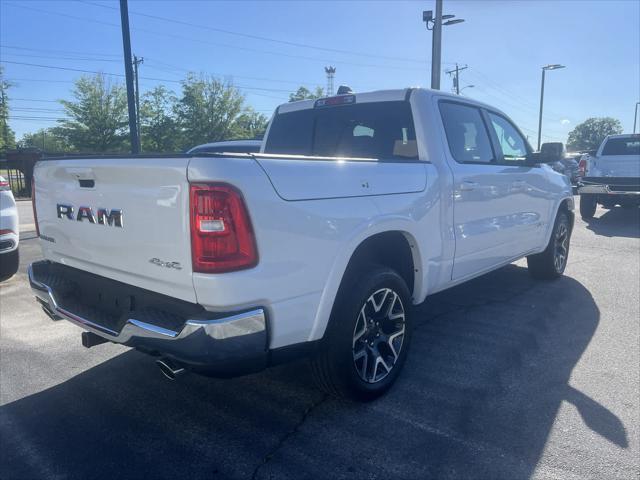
x,y
78,201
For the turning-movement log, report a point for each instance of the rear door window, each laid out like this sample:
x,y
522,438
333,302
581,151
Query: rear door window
x,y
379,130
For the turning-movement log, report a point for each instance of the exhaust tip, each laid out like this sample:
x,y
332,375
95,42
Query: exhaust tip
x,y
169,369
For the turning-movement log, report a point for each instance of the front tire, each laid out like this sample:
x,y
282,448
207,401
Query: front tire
x,y
551,263
368,336
588,204
9,264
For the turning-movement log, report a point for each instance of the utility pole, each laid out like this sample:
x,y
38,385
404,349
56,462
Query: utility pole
x,y
5,113
456,77
136,62
435,24
436,47
128,70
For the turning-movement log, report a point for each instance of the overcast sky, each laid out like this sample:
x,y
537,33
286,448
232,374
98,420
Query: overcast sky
x,y
270,48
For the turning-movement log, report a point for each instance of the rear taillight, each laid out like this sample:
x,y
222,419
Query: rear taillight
x,y
33,204
222,238
582,167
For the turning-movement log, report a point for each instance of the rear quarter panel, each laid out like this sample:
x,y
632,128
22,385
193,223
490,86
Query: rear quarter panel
x,y
303,246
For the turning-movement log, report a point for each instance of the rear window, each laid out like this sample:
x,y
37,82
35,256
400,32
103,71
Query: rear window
x,y
382,130
622,146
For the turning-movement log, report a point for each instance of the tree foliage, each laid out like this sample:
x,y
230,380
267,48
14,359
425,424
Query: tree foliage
x,y
159,129
97,117
45,139
208,110
7,137
303,93
589,134
250,124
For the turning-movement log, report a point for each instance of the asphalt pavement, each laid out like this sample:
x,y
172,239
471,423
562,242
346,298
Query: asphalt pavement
x,y
507,378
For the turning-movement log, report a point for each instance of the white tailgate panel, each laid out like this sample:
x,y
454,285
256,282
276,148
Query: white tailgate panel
x,y
153,195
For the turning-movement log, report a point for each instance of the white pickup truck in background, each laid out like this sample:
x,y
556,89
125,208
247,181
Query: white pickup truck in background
x,y
612,176
358,207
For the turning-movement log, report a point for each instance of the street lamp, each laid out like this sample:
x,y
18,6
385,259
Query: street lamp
x,y
466,86
435,24
555,66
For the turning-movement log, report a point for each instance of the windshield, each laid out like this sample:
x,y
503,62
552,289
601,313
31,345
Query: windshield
x,y
381,130
622,146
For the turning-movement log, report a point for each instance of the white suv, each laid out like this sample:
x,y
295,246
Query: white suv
x,y
8,231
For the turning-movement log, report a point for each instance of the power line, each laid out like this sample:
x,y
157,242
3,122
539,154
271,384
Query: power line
x,y
219,74
259,37
81,70
27,109
45,80
66,52
56,57
248,77
166,34
28,117
33,100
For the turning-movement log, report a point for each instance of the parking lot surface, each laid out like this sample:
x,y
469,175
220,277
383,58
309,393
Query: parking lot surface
x,y
507,378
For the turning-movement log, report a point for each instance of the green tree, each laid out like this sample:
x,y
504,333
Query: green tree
x,y
7,137
98,117
303,93
208,110
46,139
159,126
589,134
250,124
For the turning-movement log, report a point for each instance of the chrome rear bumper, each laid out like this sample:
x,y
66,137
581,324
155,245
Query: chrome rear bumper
x,y
602,190
221,343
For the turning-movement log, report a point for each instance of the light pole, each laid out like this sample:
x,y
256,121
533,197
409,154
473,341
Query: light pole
x,y
544,70
635,117
435,24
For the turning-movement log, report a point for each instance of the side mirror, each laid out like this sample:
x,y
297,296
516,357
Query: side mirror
x,y
533,158
551,152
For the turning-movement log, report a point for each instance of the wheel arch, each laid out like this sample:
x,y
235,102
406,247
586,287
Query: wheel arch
x,y
396,248
566,205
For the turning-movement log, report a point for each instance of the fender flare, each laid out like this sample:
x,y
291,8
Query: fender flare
x,y
568,199
341,262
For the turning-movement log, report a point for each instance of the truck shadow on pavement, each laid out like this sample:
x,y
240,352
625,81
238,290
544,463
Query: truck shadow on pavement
x,y
617,222
488,370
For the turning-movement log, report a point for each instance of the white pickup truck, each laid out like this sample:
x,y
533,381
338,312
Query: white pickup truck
x,y
612,176
358,207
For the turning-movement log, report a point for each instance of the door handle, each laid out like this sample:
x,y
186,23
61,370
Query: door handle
x,y
468,186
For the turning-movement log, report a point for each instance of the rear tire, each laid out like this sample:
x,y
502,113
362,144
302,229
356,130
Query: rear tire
x,y
9,264
366,342
551,263
588,204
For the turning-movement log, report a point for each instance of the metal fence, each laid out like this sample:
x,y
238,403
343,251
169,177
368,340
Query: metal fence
x,y
16,180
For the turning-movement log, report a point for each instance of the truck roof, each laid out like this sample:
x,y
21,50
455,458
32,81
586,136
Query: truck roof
x,y
624,135
384,96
